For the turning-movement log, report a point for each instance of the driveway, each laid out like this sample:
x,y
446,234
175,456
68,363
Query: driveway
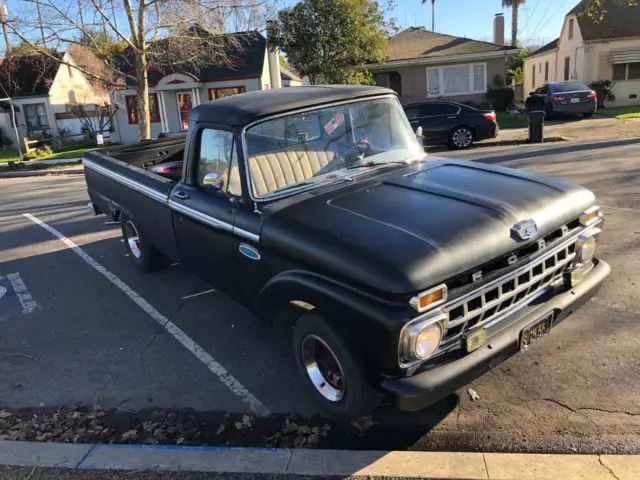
x,y
71,334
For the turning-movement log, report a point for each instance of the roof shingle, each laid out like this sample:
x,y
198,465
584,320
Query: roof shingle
x,y
417,42
620,20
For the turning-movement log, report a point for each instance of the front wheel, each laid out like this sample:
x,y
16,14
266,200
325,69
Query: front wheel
x,y
144,256
461,137
331,372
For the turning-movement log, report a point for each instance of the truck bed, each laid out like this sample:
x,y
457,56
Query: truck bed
x,y
118,184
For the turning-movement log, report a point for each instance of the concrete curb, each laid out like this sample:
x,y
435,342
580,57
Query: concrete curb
x,y
40,173
321,463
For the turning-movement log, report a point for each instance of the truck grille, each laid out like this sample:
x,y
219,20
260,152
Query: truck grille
x,y
491,303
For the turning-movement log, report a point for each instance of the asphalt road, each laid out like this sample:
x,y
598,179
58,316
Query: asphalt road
x,y
73,337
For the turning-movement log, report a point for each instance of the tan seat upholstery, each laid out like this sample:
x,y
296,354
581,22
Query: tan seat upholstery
x,y
271,171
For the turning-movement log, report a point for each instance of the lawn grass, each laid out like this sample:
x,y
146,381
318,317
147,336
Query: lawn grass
x,y
507,121
621,113
12,154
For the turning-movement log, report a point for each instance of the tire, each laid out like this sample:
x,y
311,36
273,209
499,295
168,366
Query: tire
x,y
461,137
145,257
588,114
356,397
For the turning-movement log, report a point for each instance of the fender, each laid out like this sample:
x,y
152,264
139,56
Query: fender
x,y
370,324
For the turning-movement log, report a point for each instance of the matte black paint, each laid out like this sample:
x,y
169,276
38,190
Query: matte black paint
x,y
358,250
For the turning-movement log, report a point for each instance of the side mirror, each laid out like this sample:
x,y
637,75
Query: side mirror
x,y
419,136
530,93
213,180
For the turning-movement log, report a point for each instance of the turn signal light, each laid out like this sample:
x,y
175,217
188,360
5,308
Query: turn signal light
x,y
430,298
589,216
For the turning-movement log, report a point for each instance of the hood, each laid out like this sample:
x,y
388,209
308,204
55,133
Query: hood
x,y
403,231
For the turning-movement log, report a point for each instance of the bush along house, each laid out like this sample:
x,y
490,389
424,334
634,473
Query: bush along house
x,y
423,65
173,92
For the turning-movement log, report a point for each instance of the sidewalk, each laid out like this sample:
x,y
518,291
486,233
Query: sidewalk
x,y
592,129
38,168
319,463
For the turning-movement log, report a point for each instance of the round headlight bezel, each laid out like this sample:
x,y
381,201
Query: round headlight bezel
x,y
433,335
407,352
586,246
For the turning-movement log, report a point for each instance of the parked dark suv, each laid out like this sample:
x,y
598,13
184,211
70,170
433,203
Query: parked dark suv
x,y
452,124
573,98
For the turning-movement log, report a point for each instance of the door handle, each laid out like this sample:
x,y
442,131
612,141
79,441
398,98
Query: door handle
x,y
181,195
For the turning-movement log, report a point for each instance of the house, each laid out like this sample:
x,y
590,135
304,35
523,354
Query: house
x,y
43,89
588,51
421,64
174,93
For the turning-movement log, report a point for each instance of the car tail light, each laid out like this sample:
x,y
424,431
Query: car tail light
x,y
592,96
491,116
557,99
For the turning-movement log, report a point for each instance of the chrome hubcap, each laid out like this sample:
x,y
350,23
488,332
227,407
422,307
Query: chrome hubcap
x,y
133,239
462,137
323,368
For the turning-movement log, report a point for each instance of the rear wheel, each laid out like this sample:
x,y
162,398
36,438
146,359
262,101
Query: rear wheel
x,y
145,257
331,372
461,137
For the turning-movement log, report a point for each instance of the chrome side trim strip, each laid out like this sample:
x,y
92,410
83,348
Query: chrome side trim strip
x,y
212,221
190,212
147,191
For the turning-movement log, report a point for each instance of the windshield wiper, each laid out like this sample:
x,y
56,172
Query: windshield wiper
x,y
377,164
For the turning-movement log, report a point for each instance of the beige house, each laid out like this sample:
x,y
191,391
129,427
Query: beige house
x,y
42,91
587,51
422,64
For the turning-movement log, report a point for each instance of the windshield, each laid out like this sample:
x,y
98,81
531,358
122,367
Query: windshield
x,y
327,143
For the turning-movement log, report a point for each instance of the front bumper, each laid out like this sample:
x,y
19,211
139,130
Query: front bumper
x,y
423,389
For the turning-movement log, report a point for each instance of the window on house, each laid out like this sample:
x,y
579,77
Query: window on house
x,y
571,29
540,67
132,108
533,77
546,71
567,67
457,80
634,71
225,92
36,116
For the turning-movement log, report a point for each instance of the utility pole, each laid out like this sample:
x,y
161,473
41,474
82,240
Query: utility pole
x,y
433,15
5,28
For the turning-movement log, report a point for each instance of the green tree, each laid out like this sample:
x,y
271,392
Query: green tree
x,y
514,5
433,13
597,9
331,40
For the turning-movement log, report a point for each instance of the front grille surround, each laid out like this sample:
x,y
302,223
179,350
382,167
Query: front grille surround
x,y
491,303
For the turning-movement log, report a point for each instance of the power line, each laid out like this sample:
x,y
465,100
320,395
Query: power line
x,y
526,25
544,15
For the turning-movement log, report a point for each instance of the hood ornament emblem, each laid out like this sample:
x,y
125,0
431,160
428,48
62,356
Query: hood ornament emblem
x,y
525,229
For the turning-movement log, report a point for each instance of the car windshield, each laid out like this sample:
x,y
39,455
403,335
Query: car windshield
x,y
568,87
328,144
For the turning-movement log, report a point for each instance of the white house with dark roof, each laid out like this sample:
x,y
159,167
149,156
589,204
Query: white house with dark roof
x,y
173,95
588,51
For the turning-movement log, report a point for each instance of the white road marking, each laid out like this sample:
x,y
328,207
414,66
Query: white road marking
x,y
25,298
225,377
3,292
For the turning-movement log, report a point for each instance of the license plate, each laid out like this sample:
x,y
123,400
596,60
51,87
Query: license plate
x,y
575,100
534,332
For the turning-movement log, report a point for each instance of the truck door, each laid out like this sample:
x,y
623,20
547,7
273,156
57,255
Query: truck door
x,y
204,206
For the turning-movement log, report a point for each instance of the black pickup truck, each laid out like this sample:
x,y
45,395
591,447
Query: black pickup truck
x,y
317,208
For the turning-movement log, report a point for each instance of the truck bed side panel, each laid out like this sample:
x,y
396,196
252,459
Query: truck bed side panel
x,y
115,186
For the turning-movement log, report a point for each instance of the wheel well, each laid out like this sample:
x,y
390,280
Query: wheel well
x,y
287,314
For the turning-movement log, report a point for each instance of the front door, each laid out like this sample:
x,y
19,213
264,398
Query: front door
x,y
185,105
436,119
204,208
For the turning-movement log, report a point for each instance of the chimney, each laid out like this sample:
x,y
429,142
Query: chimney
x,y
498,29
273,59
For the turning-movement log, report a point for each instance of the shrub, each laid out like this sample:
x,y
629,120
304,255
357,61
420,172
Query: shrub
x,y
40,152
500,98
604,90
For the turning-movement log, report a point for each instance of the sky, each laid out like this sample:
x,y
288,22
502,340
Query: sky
x,y
540,20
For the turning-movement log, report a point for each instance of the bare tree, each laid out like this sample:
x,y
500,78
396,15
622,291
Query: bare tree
x,y
166,35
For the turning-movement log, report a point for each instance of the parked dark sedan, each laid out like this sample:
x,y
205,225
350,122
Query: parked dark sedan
x,y
573,98
451,123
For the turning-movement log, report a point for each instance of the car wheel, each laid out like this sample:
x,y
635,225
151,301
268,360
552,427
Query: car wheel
x,y
145,257
461,137
588,114
330,370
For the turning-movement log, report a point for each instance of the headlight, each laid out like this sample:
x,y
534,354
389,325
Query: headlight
x,y
586,249
420,338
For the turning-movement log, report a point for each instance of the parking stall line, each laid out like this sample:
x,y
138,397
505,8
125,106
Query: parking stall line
x,y
216,368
